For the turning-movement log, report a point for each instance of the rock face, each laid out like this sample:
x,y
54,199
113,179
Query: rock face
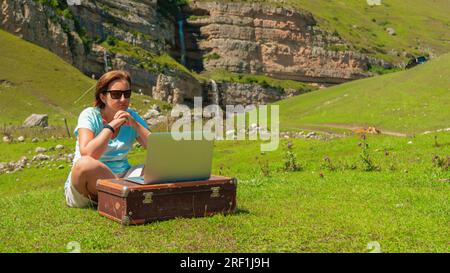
x,y
280,42
77,38
135,22
176,89
39,24
232,93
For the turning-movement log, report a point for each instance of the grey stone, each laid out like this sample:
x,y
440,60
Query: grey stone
x,y
59,147
151,114
391,31
7,139
40,150
40,157
36,120
21,139
156,107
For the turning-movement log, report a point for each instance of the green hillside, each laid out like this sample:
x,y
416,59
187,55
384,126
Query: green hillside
x,y
421,26
34,80
409,101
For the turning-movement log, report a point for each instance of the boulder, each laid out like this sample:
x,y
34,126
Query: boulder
x,y
36,120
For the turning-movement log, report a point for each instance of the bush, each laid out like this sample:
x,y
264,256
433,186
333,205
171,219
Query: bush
x,y
442,162
290,159
112,41
368,164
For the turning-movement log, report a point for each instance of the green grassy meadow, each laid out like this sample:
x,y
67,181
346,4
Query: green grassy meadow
x,y
404,206
411,102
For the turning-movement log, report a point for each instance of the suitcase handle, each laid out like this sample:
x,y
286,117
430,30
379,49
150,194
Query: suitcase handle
x,y
148,196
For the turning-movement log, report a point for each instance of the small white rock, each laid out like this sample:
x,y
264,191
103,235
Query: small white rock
x,y
6,139
40,150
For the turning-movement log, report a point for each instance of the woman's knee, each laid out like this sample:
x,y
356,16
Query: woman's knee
x,y
86,163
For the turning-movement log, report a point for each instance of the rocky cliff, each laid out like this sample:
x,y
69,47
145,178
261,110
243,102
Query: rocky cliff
x,y
80,33
280,42
41,25
138,36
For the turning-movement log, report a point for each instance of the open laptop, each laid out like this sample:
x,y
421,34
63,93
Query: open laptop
x,y
170,160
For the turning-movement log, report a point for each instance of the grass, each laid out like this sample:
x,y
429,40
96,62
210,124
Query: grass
x,y
405,209
33,80
421,26
147,60
411,101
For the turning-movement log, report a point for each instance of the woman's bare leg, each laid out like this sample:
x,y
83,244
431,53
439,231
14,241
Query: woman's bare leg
x,y
85,174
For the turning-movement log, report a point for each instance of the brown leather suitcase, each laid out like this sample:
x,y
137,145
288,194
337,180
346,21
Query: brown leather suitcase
x,y
130,203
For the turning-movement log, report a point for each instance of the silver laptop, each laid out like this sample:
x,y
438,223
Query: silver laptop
x,y
170,160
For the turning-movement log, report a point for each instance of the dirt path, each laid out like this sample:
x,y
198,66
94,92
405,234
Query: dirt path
x,y
353,126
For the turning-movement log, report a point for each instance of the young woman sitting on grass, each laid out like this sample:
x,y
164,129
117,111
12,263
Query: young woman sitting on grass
x,y
105,134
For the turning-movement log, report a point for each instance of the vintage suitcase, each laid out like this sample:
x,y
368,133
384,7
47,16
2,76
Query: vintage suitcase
x,y
130,203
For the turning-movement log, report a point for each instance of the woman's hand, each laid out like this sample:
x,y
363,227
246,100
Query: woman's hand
x,y
125,115
117,123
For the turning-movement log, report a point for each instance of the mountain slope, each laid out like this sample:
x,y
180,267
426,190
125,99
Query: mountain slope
x,y
409,101
37,81
34,80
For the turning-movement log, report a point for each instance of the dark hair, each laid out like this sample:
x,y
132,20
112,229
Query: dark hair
x,y
105,81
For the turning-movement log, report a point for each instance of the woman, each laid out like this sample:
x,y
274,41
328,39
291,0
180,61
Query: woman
x,y
105,134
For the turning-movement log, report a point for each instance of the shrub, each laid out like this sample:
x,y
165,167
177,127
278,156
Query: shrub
x,y
112,41
290,159
328,165
442,162
368,164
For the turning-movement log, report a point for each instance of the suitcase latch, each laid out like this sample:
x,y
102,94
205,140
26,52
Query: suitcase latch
x,y
148,197
215,192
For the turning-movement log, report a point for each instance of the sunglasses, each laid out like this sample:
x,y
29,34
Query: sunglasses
x,y
117,94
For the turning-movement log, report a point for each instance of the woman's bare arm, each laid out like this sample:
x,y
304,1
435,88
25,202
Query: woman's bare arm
x,y
96,146
142,133
90,146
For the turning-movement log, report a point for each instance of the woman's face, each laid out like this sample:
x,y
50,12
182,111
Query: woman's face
x,y
116,104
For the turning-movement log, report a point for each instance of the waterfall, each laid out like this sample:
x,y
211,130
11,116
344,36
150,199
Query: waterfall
x,y
105,59
215,92
182,41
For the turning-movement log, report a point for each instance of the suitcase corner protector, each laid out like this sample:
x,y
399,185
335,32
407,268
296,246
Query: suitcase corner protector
x,y
125,191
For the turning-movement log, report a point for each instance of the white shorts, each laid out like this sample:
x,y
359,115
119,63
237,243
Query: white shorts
x,y
74,199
